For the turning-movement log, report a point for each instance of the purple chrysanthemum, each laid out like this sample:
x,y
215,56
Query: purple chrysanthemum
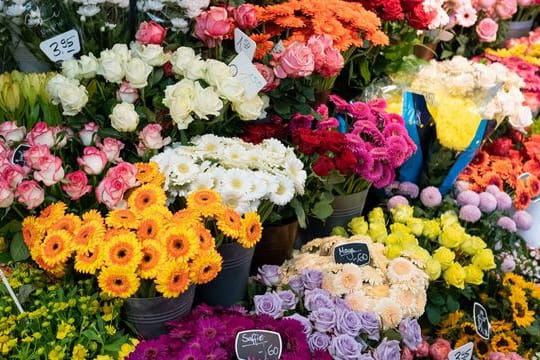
x,y
389,189
493,189
210,328
507,223
395,201
504,201
468,197
470,213
149,350
430,196
217,353
488,202
523,220
409,189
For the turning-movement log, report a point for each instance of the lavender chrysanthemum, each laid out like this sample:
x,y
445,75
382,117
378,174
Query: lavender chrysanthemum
x,y
430,196
507,223
468,197
493,189
470,213
396,200
409,189
504,201
523,220
488,202
461,185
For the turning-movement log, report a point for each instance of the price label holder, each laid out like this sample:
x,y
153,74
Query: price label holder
x,y
61,47
356,253
278,48
464,352
258,345
18,155
481,321
244,44
243,69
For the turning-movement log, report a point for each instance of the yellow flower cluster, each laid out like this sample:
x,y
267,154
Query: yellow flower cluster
x,y
530,54
143,241
459,257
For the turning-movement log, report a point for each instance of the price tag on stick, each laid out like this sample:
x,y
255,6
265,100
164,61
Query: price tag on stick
x,y
11,292
464,352
243,69
61,47
258,345
481,321
355,253
244,44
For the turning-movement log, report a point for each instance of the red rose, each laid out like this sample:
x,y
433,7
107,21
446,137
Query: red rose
x,y
418,18
323,165
391,11
150,33
332,141
346,162
306,141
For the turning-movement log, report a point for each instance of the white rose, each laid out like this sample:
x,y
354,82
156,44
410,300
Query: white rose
x,y
521,119
180,110
181,59
70,69
152,54
207,102
88,65
122,51
137,72
249,109
183,89
216,72
196,70
180,24
73,98
124,117
111,67
231,89
54,85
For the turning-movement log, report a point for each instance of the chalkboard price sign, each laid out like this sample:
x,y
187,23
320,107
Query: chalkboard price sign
x,y
481,321
18,154
258,345
355,253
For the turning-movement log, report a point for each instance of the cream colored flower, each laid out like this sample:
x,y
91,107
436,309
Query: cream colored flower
x,y
401,270
349,279
390,312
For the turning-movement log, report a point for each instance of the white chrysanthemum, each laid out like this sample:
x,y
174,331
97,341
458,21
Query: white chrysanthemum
x,y
203,180
348,280
259,186
208,143
235,181
294,169
231,199
401,270
390,313
282,191
183,170
358,301
234,155
274,148
254,158
372,276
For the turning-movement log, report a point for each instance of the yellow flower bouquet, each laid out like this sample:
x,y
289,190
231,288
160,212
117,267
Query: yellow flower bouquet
x,y
143,248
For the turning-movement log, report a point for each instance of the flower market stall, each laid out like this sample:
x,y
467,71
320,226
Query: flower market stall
x,y
291,179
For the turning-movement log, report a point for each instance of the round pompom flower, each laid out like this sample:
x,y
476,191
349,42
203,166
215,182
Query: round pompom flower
x,y
507,223
409,189
504,201
488,202
470,213
396,200
430,196
468,197
522,219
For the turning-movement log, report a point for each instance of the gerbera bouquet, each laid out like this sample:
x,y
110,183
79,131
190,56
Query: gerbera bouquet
x,y
60,320
263,177
169,252
210,333
336,328
446,110
513,306
527,48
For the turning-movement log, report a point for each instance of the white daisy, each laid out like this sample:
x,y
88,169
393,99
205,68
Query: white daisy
x,y
203,180
236,180
208,143
234,155
274,148
254,158
281,191
294,169
232,199
259,186
183,170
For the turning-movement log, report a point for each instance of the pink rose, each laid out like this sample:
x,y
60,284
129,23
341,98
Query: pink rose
x,y
245,16
496,356
61,136
11,174
422,350
150,32
42,134
51,171
30,193
11,132
272,81
486,4
126,93
513,356
150,137
5,152
93,160
34,156
6,195
126,171
88,134
77,185
406,354
318,45
296,61
439,349
333,63
111,147
110,191
212,26
505,9
487,30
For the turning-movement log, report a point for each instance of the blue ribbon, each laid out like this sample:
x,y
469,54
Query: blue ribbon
x,y
342,127
412,168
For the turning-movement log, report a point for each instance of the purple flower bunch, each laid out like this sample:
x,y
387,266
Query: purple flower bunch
x,y
332,328
210,333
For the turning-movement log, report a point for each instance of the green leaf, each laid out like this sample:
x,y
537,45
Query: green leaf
x,y
91,334
322,210
452,304
282,107
364,71
326,197
299,211
5,257
433,314
24,292
533,331
392,334
437,299
18,249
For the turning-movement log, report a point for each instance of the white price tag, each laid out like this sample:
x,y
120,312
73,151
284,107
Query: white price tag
x,y
61,47
278,48
247,73
244,44
464,352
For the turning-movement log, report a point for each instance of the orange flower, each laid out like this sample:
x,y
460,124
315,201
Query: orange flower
x,y
532,166
492,178
481,159
264,45
522,198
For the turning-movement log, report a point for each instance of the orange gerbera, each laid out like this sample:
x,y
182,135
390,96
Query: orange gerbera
x,y
202,198
52,212
149,173
88,234
251,230
481,159
533,185
32,232
122,218
291,21
68,222
93,215
187,216
229,222
152,259
522,198
145,196
123,251
115,281
149,228
173,278
56,247
264,45
206,267
491,178
87,262
112,232
206,240
180,242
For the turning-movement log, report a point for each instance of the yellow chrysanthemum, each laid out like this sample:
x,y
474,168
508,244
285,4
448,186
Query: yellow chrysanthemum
x,y
149,173
56,247
173,278
206,240
117,282
229,222
251,230
51,213
88,261
503,343
88,234
32,231
123,251
145,196
205,267
152,259
68,222
93,215
180,242
122,218
202,198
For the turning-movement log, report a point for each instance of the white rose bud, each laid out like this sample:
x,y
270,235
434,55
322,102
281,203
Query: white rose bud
x,y
183,89
54,85
88,65
180,110
231,89
216,72
152,54
521,119
181,59
111,67
249,109
122,52
207,102
124,117
137,72
196,70
73,98
70,69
